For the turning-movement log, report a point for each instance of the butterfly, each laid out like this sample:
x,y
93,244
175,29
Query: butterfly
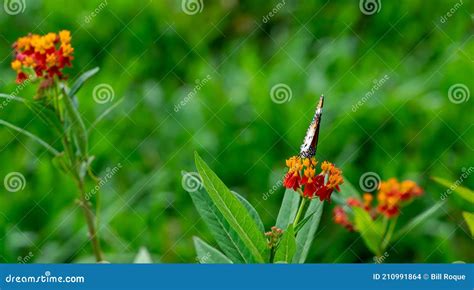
x,y
310,144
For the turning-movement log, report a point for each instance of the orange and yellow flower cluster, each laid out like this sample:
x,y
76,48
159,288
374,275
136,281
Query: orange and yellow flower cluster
x,y
46,55
391,196
302,177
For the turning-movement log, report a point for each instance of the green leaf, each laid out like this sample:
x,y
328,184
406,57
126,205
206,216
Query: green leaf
x,y
103,115
30,135
81,80
419,219
303,222
371,231
287,246
461,191
77,126
305,236
288,209
233,211
227,239
143,257
206,254
252,211
469,217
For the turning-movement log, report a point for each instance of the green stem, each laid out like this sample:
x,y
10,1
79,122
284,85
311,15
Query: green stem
x,y
299,213
389,234
90,220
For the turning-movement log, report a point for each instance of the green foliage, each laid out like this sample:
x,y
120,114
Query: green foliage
x,y
305,236
372,232
233,211
206,254
408,128
288,209
287,246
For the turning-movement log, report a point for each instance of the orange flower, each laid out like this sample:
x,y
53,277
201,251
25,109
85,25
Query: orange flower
x,y
46,55
302,176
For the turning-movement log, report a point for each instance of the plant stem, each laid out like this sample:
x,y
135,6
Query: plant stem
x,y
389,234
90,220
299,213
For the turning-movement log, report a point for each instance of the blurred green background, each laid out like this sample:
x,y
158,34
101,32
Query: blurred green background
x,y
154,55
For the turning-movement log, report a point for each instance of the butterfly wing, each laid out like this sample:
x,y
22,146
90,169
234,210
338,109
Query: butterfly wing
x,y
310,144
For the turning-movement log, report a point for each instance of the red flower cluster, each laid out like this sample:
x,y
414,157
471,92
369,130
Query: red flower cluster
x,y
390,197
302,177
45,55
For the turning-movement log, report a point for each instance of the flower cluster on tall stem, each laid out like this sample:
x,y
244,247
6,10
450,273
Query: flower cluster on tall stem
x,y
44,57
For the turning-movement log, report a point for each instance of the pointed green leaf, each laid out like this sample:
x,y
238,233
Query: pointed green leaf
x,y
287,246
252,211
143,257
233,211
469,217
81,80
371,231
305,236
461,191
227,239
30,135
288,209
206,254
419,219
77,126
